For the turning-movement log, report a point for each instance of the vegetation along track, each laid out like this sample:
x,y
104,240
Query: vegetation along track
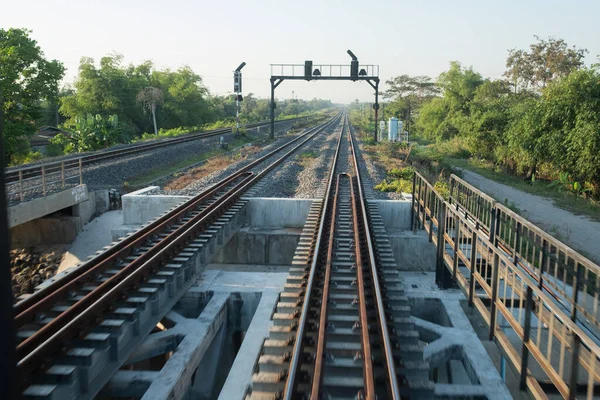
x,y
78,328
342,327
34,171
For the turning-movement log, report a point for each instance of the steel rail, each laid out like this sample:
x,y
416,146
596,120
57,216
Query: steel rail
x,y
34,171
295,360
31,361
362,302
38,301
321,336
147,230
387,346
80,306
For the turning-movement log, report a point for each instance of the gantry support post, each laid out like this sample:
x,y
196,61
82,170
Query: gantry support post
x,y
376,107
274,83
272,109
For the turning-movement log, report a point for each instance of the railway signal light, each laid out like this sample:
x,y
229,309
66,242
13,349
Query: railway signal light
x,y
353,65
308,70
237,81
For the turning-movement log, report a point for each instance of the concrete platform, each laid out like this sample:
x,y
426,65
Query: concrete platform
x,y
95,235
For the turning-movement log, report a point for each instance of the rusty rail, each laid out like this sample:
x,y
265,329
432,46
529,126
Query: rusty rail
x,y
36,171
479,262
69,323
321,264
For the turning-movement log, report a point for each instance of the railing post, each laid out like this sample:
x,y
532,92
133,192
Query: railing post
x,y
441,246
451,190
432,199
62,174
80,172
526,334
418,208
574,367
43,180
473,263
543,262
493,221
493,311
576,287
412,209
456,249
516,242
21,185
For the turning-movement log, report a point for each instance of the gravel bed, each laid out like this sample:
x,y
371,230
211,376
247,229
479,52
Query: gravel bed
x,y
284,180
279,125
312,180
210,179
372,175
112,173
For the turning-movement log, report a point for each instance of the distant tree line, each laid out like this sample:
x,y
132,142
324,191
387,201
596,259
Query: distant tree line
x,y
109,102
541,121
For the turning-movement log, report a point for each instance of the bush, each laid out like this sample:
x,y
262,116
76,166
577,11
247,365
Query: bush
x,y
442,188
395,185
31,156
54,150
405,173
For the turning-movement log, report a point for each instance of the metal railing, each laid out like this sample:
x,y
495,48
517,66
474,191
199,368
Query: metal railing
x,y
326,70
570,278
509,296
45,178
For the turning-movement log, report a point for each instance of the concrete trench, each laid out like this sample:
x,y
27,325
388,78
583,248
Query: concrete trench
x,y
207,344
217,328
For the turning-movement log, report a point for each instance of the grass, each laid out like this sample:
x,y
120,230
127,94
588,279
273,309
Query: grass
x,y
564,199
149,176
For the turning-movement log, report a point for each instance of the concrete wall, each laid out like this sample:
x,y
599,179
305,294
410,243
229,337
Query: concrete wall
x,y
37,208
412,252
263,247
395,213
54,228
47,230
139,207
102,201
278,212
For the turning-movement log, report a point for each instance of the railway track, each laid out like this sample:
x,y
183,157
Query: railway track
x,y
342,328
77,330
13,175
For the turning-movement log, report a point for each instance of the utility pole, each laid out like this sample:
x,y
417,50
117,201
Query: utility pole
x,y
237,88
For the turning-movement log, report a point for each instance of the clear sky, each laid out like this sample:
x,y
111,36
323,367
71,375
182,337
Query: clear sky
x,y
214,36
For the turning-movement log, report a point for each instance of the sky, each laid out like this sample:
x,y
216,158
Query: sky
x,y
214,36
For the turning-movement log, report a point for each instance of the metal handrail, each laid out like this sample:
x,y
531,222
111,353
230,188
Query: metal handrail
x,y
457,227
539,252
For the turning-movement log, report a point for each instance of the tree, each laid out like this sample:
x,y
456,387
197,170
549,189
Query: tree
x,y
408,93
570,110
546,61
26,79
150,97
89,133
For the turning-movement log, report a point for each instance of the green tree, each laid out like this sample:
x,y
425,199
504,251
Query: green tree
x,y
26,79
546,61
570,110
408,93
90,133
150,98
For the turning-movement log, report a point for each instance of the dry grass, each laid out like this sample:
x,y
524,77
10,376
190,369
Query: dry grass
x,y
211,165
